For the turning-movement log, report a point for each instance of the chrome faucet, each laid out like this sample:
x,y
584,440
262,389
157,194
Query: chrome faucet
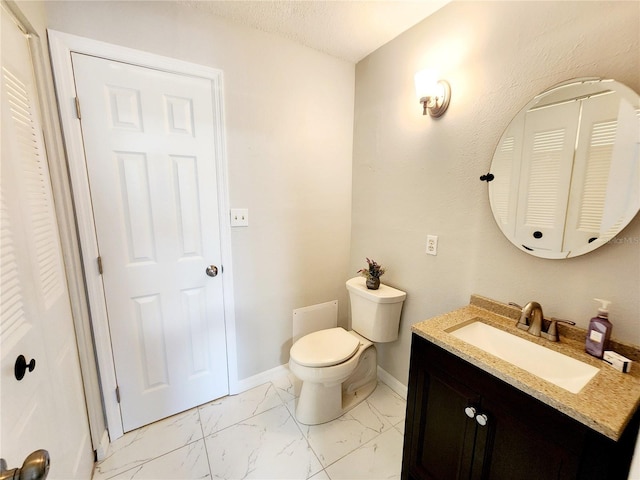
x,y
532,320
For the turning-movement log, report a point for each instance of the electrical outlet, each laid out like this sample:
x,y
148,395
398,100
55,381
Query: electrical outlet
x,y
432,244
239,217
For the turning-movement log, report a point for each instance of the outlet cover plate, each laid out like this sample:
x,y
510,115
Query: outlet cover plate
x,y
432,244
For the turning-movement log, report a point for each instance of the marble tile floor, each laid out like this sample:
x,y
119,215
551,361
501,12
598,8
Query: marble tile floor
x,y
254,435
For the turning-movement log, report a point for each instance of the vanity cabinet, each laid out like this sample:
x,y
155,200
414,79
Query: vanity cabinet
x,y
463,423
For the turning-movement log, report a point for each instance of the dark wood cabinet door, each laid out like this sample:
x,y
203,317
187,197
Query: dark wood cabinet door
x,y
441,444
521,451
447,443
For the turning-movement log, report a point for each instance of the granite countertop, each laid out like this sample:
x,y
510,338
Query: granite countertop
x,y
606,403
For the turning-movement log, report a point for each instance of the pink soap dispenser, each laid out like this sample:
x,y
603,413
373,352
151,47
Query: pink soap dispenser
x,y
599,330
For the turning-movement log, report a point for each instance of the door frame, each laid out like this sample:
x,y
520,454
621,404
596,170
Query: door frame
x,y
61,45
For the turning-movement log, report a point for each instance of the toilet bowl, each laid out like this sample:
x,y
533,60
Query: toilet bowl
x,y
331,385
338,368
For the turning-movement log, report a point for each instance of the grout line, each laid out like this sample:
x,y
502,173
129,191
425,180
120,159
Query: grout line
x,y
206,451
295,421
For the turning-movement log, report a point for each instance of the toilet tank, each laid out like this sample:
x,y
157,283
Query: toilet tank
x,y
375,314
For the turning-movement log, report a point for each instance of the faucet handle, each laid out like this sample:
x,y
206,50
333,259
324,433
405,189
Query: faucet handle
x,y
522,321
552,331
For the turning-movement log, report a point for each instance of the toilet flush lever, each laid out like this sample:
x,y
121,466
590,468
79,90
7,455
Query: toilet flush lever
x,y
212,270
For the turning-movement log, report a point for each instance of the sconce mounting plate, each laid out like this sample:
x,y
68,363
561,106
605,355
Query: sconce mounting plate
x,y
437,105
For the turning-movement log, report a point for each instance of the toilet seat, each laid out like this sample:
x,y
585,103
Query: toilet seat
x,y
324,348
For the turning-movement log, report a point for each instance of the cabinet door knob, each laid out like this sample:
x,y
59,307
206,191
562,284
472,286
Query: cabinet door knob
x,y
470,412
482,419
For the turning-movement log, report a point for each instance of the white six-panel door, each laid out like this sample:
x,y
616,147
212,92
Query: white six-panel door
x,y
149,149
46,408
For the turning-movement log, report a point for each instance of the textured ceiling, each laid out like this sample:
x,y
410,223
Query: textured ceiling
x,y
347,29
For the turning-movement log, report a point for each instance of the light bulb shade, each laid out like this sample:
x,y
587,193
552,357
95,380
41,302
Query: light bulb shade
x,y
426,82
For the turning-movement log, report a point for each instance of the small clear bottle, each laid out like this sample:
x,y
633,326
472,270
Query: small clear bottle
x,y
599,330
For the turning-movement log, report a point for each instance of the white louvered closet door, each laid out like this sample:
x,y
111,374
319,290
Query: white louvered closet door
x,y
45,409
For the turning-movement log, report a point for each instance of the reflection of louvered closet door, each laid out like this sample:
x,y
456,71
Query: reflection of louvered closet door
x,y
150,155
46,408
545,179
591,172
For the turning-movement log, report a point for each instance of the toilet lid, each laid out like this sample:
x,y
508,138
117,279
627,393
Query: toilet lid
x,y
324,348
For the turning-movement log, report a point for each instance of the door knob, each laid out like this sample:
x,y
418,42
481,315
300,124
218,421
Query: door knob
x,y
470,412
212,270
21,367
35,467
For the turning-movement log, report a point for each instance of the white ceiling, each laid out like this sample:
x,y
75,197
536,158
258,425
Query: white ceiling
x,y
347,29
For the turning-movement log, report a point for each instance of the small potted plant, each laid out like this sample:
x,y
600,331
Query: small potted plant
x,y
372,273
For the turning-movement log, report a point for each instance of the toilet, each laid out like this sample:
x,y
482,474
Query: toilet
x,y
339,368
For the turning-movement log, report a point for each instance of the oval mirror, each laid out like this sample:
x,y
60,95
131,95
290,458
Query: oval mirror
x,y
566,170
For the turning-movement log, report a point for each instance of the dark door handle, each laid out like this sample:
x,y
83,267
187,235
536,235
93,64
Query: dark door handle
x,y
22,366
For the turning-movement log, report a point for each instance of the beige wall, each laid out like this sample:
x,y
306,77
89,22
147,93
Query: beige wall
x,y
414,176
289,124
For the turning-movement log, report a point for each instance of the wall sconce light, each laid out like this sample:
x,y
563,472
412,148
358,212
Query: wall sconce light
x,y
434,94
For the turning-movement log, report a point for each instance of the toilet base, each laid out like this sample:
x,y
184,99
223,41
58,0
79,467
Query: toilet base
x,y
320,403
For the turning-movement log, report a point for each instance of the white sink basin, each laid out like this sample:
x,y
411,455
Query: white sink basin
x,y
555,367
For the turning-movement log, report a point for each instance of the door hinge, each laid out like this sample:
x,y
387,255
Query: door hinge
x,y
100,265
78,114
118,394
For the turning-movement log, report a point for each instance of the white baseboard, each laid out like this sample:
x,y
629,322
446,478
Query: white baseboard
x,y
269,375
103,448
391,382
259,379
